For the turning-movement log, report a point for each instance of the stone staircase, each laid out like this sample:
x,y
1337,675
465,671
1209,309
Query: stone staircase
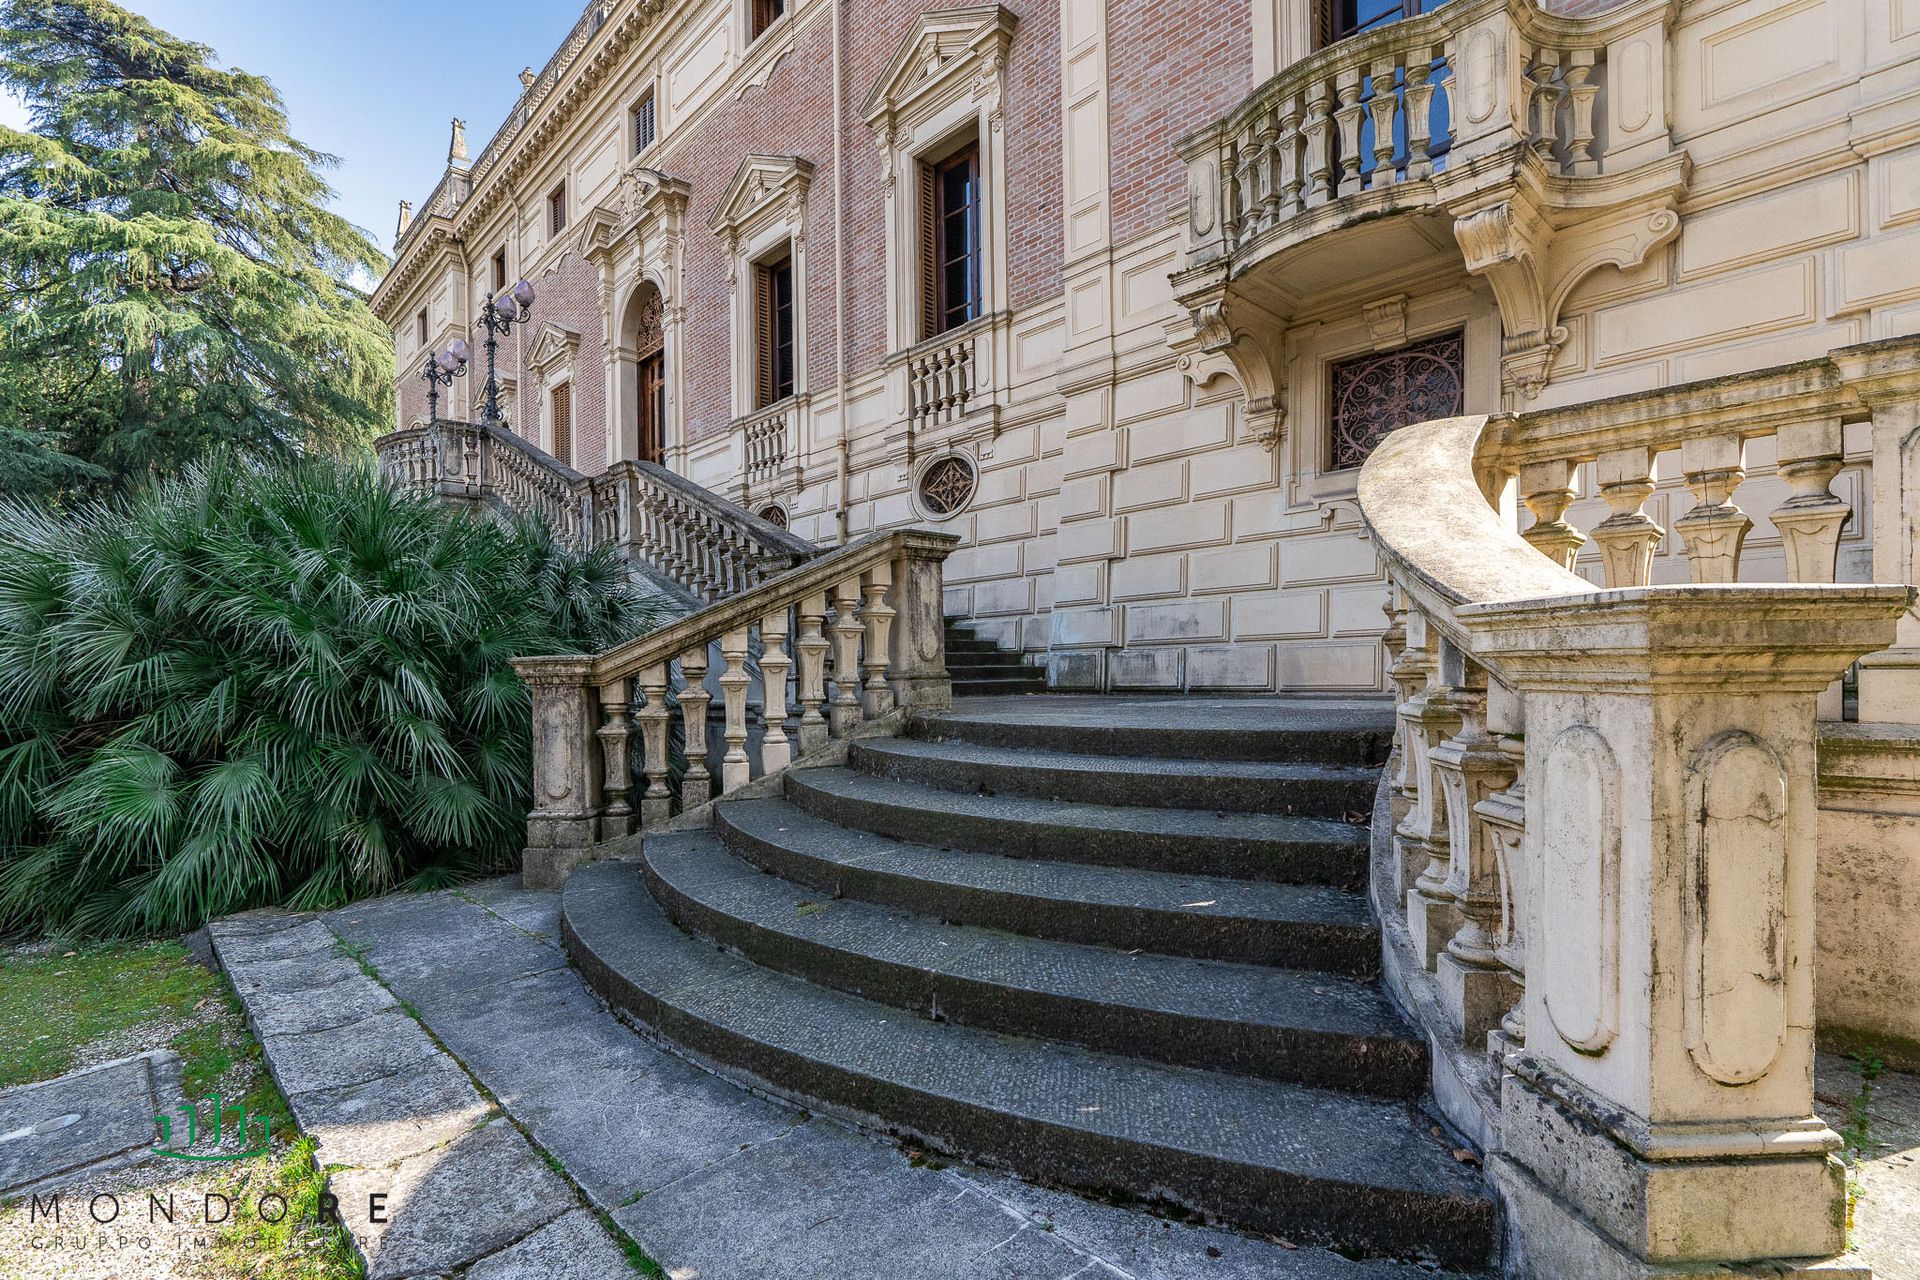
x,y
1109,943
980,667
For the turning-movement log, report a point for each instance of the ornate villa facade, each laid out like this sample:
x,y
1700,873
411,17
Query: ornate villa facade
x,y
1411,353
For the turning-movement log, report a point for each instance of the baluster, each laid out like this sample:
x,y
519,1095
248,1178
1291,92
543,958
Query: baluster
x,y
812,647
1246,192
696,788
1628,537
1580,87
1429,720
1547,489
1291,176
1504,815
845,713
1420,113
1811,519
878,614
775,751
656,804
1715,530
1319,143
1271,190
1408,673
1471,767
1350,114
1545,105
735,769
616,818
1383,107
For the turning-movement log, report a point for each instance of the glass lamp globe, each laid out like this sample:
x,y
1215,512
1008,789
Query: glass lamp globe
x,y
523,294
507,307
460,352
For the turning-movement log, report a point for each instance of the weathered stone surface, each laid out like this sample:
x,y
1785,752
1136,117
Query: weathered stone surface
x,y
574,1246
381,1044
386,1120
450,1207
348,999
63,1126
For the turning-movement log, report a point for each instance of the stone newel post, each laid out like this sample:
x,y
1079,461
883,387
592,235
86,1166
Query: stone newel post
x,y
1661,1113
563,823
918,641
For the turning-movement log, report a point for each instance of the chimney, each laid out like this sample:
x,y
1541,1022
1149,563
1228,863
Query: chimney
x,y
457,148
406,220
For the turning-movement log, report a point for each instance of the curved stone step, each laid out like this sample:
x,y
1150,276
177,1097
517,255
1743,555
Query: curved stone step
x,y
1287,926
1239,786
999,684
1322,1029
1311,1165
1322,730
1250,846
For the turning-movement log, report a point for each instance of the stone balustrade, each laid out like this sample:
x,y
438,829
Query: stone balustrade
x,y
1416,99
688,538
1602,859
944,379
765,437
838,642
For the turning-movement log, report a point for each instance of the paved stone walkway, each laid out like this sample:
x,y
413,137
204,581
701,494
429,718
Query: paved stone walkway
x,y
439,1048
84,1122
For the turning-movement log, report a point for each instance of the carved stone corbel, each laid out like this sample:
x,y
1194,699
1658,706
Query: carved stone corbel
x,y
1535,238
1253,343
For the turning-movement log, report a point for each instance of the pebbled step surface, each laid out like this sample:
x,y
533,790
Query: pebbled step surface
x,y
1345,731
1318,790
1204,917
1313,1028
1254,846
1312,1165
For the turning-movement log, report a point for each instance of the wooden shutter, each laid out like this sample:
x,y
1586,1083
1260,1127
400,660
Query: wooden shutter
x,y
1323,22
765,339
930,300
563,422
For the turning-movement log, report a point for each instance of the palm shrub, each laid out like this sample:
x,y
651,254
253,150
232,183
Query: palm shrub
x,y
253,685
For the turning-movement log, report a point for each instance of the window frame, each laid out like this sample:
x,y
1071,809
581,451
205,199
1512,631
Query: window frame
x,y
499,270
763,16
1458,334
1331,27
557,210
936,252
559,396
647,105
421,331
775,302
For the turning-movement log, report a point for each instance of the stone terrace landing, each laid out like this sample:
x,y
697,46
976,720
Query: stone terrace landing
x,y
1113,943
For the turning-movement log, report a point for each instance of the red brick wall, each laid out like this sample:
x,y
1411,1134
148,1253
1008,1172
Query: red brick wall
x,y
1170,69
792,114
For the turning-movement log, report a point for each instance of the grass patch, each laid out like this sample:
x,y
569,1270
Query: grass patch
x,y
299,1246
636,1256
1857,1132
53,1006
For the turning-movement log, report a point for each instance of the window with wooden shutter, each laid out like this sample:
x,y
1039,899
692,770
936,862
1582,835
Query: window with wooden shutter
x,y
950,242
557,210
420,327
765,14
643,124
499,271
773,329
563,422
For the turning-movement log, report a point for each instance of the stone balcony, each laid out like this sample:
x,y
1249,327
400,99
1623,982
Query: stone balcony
x,y
1523,147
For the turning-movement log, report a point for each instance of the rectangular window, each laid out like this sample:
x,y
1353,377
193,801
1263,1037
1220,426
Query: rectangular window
x,y
420,328
1338,19
773,331
499,272
563,422
557,210
765,14
950,241
643,124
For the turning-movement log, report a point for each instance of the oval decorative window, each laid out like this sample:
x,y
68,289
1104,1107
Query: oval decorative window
x,y
775,516
947,485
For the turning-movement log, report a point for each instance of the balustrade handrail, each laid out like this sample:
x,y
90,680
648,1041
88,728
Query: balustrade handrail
x,y
770,538
787,589
1361,51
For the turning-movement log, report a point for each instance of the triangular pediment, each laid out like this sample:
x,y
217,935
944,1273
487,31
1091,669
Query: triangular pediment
x,y
938,45
759,182
555,345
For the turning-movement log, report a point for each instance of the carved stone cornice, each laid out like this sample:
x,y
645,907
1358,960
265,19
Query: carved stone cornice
x,y
762,185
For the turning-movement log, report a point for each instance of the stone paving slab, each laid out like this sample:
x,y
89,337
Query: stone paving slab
x,y
84,1121
431,1179
573,1246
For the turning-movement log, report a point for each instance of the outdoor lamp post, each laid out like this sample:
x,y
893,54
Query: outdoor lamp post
x,y
513,307
440,372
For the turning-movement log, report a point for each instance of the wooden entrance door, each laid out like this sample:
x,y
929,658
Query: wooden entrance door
x,y
653,407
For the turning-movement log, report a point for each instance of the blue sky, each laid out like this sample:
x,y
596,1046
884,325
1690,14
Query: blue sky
x,y
367,81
